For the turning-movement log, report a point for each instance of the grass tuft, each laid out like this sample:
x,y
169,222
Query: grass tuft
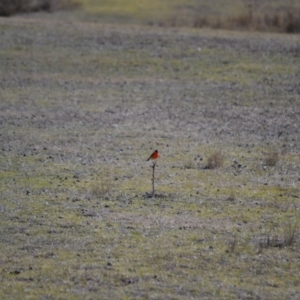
x,y
271,158
231,196
215,160
102,188
288,238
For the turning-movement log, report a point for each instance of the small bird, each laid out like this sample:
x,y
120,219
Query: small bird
x,y
154,156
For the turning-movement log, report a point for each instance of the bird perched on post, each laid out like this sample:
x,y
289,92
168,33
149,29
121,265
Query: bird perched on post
x,y
154,156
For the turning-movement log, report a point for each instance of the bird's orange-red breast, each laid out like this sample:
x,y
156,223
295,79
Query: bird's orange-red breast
x,y
154,155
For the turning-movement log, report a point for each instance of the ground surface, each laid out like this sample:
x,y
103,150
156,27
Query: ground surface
x,y
82,105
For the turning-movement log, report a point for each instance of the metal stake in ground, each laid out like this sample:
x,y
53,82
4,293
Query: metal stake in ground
x,y
154,156
153,179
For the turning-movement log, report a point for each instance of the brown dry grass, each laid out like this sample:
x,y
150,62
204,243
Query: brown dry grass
x,y
288,238
239,15
287,21
271,159
255,17
215,160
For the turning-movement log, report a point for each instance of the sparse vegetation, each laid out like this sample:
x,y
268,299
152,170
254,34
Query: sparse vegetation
x,y
81,105
271,158
215,160
279,20
231,196
246,15
287,20
277,15
288,238
102,187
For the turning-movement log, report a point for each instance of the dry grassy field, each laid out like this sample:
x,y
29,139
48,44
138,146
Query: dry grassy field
x,y
263,15
82,106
